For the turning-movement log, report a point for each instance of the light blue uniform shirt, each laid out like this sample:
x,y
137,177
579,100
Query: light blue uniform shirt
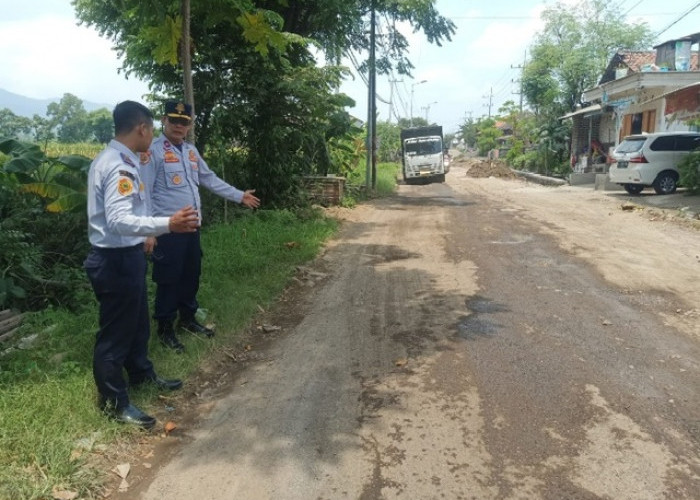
x,y
118,215
173,182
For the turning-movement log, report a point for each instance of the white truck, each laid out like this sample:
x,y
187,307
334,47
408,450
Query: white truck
x,y
422,154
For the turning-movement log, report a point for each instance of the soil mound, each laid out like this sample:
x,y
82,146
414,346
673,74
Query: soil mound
x,y
482,167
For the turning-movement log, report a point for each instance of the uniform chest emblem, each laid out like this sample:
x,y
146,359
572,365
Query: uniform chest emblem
x,y
177,180
170,157
195,165
166,144
145,158
193,156
125,186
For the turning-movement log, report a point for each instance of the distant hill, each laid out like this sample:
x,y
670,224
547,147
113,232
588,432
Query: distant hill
x,y
27,106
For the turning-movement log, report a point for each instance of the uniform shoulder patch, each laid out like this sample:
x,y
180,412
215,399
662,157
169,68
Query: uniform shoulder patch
x,y
126,173
124,186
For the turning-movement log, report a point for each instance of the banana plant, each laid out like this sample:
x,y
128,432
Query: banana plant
x,y
61,182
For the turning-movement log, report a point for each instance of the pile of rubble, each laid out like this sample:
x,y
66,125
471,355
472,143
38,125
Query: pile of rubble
x,y
481,167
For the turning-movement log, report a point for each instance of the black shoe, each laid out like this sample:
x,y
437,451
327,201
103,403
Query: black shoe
x,y
172,342
166,334
166,384
193,326
133,416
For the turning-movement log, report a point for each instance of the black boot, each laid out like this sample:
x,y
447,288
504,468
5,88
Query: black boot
x,y
167,336
193,326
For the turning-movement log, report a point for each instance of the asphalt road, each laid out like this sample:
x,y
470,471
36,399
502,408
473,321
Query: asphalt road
x,y
451,349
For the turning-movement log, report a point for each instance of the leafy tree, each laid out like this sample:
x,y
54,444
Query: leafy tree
x,y
469,132
102,125
487,135
341,27
553,148
389,141
573,49
418,121
12,125
254,82
43,129
70,118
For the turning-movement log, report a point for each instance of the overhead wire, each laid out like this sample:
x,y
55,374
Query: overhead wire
x,y
679,19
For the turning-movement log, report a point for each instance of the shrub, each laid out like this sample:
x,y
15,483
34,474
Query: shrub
x,y
525,161
689,170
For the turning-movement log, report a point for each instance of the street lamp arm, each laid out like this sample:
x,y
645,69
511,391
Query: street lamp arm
x,y
410,118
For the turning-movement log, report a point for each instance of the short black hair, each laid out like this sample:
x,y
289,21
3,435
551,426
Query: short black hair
x,y
130,114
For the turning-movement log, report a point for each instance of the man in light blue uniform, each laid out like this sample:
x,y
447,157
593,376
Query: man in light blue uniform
x,y
178,171
118,223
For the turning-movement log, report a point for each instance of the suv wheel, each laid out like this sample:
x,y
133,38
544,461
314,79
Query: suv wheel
x,y
633,188
665,183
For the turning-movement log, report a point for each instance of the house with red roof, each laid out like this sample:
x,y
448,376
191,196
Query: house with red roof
x,y
640,91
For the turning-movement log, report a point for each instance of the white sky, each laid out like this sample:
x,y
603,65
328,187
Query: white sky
x,y
44,54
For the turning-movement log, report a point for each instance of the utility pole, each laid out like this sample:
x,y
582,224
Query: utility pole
x,y
520,80
490,98
371,171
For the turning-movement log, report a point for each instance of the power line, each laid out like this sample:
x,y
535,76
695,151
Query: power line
x,y
631,8
682,16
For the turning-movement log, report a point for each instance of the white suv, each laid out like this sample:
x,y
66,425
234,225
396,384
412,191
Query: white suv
x,y
645,160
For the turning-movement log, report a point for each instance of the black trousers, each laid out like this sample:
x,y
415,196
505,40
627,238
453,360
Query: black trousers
x,y
118,278
177,266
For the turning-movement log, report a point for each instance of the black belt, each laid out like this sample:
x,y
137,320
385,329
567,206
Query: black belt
x,y
119,249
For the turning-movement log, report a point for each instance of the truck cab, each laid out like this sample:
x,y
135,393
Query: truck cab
x,y
422,154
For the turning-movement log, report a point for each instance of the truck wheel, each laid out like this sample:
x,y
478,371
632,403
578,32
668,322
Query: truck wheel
x,y
633,188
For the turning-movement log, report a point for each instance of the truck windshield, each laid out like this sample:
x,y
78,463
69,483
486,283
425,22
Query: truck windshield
x,y
430,147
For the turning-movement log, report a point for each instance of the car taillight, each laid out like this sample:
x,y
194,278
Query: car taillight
x,y
638,159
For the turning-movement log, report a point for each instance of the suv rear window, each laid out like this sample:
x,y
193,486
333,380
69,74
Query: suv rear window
x,y
630,145
664,143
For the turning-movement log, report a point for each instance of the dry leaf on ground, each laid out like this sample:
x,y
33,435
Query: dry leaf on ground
x,y
60,494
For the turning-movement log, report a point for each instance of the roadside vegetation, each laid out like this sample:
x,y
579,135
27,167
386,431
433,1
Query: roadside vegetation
x,y
689,168
49,425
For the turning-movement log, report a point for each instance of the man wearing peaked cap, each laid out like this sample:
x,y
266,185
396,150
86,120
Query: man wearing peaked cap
x,y
177,172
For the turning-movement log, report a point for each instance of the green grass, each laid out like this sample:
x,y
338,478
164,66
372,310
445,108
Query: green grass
x,y
387,173
48,414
